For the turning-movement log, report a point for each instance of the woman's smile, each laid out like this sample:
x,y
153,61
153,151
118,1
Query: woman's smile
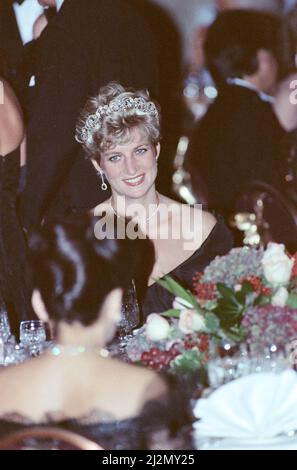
x,y
136,181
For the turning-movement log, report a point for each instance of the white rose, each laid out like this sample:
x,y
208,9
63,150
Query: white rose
x,y
276,264
190,321
280,297
157,327
181,304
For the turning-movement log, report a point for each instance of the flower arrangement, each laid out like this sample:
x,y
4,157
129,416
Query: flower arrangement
x,y
250,289
270,325
163,346
178,339
249,294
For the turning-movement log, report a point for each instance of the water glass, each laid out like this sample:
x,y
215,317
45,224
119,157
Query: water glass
x,y
33,336
224,367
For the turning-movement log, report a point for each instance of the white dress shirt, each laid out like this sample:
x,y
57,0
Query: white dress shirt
x,y
59,4
245,84
26,15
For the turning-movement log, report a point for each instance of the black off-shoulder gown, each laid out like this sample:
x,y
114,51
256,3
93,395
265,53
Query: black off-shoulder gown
x,y
170,412
218,242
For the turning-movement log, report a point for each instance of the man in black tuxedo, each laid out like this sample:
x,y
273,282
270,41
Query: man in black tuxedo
x,y
84,47
239,139
10,40
16,21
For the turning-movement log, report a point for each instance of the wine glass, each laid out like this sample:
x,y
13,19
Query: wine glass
x,y
33,336
130,315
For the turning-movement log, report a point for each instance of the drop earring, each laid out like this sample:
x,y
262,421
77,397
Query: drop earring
x,y
103,184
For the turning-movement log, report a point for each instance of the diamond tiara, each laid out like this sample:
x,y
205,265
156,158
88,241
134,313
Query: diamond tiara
x,y
122,105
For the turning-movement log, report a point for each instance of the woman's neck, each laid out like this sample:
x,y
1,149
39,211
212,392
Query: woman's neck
x,y
139,209
77,335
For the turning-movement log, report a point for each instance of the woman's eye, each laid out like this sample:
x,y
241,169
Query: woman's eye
x,y
141,151
114,158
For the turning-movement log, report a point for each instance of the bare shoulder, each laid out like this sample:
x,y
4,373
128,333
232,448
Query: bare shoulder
x,y
208,223
127,388
206,219
10,379
11,119
203,221
147,384
10,100
38,383
153,384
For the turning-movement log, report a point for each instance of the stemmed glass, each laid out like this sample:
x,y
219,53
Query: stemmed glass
x,y
4,323
33,336
130,315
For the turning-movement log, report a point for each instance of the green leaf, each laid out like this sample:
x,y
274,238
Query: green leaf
x,y
210,305
168,283
229,312
293,283
292,301
212,322
246,290
230,300
173,313
230,305
225,291
235,333
189,360
263,300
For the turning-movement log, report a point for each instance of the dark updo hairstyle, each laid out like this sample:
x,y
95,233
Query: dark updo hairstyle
x,y
234,39
74,271
3,65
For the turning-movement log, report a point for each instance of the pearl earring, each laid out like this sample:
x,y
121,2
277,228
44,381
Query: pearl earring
x,y
103,184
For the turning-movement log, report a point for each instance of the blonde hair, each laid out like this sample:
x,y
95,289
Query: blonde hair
x,y
108,118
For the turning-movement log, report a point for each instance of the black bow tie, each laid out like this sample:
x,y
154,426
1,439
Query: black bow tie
x,y
19,1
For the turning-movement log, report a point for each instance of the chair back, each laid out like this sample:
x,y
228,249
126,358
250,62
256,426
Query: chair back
x,y
273,213
46,438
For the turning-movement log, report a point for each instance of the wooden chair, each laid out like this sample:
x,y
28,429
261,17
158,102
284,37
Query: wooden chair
x,y
46,438
273,213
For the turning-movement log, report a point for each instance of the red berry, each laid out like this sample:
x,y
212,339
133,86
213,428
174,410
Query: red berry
x,y
145,356
154,351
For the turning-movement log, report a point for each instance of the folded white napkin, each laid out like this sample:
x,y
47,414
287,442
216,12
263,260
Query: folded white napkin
x,y
255,408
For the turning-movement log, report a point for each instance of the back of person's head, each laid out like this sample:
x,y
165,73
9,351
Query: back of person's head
x,y
234,39
3,65
74,271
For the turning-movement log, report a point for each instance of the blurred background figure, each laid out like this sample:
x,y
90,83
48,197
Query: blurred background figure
x,y
169,47
240,138
15,291
274,6
79,282
192,19
16,32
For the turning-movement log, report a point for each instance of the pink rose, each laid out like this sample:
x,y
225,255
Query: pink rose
x,y
190,321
